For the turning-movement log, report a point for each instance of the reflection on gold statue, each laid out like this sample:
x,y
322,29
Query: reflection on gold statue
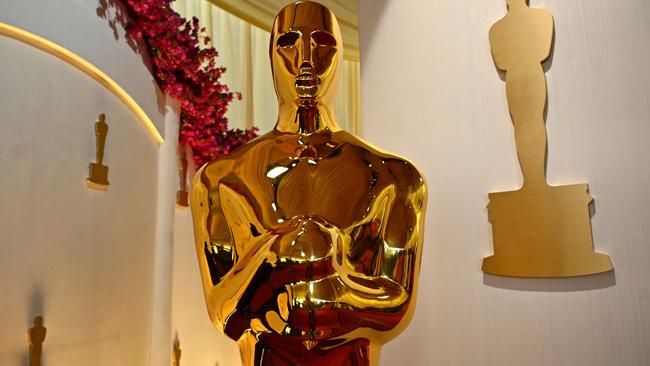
x,y
182,195
98,178
36,339
539,230
309,239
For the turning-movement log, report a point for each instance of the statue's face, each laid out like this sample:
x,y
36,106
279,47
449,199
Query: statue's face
x,y
306,50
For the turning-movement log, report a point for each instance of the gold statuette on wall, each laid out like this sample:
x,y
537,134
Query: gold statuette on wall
x,y
36,338
539,230
308,238
98,178
176,354
182,195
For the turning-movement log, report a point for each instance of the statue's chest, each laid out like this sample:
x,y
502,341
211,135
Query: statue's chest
x,y
338,189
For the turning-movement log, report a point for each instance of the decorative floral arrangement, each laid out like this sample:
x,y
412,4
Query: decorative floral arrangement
x,y
188,72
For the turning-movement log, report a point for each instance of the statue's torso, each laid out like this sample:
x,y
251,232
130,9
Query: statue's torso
x,y
325,209
331,177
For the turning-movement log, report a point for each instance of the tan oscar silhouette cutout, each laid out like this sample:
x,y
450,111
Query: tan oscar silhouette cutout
x,y
182,195
309,239
539,230
36,339
98,178
176,354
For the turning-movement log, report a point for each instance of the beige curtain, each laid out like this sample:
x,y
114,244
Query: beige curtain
x,y
243,50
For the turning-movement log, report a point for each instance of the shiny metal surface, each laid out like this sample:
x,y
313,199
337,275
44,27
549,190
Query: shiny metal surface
x,y
308,238
539,230
261,14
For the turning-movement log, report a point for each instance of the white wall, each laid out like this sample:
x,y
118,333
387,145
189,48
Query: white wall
x,y
82,258
431,92
76,25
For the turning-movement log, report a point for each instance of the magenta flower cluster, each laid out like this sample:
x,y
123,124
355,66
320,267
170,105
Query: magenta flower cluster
x,y
185,69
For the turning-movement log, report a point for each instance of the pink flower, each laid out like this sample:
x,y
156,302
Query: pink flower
x,y
189,74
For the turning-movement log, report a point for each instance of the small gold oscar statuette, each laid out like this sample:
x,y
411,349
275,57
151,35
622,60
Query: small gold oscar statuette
x,y
538,230
176,354
98,178
36,339
182,196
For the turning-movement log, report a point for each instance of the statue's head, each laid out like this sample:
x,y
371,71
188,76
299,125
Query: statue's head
x,y
306,50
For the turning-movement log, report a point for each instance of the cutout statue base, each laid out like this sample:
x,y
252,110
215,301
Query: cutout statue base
x,y
543,232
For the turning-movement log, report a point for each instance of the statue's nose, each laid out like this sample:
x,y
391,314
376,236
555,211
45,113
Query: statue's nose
x,y
306,52
309,241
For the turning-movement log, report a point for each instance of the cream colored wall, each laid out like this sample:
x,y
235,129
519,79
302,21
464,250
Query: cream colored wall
x,y
431,92
84,259
75,25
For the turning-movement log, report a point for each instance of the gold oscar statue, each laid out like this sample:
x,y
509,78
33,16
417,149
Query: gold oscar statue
x,y
36,338
176,354
98,178
539,230
308,238
182,195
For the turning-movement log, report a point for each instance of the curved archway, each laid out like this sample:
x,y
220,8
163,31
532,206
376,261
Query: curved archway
x,y
87,68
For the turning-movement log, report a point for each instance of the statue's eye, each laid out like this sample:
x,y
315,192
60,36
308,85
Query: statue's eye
x,y
322,38
254,231
288,39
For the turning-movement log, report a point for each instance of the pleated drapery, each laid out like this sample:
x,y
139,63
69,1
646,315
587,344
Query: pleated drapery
x,y
243,50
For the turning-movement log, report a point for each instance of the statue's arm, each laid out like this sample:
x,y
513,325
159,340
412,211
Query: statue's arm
x,y
202,217
403,235
549,33
213,240
498,46
387,243
231,243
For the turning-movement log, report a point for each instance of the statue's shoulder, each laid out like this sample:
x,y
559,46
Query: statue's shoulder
x,y
542,12
500,26
399,167
504,24
213,172
543,17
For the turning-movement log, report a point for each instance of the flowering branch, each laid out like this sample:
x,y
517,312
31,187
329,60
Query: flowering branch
x,y
187,71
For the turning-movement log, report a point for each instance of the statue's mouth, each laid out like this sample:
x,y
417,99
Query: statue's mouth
x,y
307,80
